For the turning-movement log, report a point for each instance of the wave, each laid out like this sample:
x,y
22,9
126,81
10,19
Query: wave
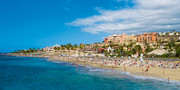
x,y
96,69
121,74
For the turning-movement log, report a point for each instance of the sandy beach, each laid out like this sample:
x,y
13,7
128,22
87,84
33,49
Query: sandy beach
x,y
169,70
155,71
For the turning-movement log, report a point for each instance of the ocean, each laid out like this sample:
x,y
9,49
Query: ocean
x,y
30,73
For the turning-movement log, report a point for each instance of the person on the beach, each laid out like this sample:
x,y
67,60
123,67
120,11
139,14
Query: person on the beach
x,y
147,69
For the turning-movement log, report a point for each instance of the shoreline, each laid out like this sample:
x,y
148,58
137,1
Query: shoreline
x,y
154,72
173,74
119,72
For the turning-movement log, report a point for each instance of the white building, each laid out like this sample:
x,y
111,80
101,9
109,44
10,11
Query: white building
x,y
162,34
109,49
56,45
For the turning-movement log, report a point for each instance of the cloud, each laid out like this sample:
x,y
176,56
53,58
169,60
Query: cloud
x,y
145,16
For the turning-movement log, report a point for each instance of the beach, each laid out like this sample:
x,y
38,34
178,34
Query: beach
x,y
156,68
168,70
24,73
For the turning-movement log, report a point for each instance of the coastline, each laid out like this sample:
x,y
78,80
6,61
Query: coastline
x,y
154,72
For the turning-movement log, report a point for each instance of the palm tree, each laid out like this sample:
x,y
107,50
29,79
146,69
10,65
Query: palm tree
x,y
138,48
120,51
177,48
159,42
171,44
167,34
173,30
81,46
62,47
69,45
29,49
75,46
34,49
103,41
130,46
55,48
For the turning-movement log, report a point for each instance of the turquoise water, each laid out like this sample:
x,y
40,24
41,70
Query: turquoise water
x,y
26,73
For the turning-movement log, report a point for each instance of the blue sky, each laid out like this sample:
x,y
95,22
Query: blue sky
x,y
40,23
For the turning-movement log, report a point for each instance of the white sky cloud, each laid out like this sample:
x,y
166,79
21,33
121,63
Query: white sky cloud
x,y
145,16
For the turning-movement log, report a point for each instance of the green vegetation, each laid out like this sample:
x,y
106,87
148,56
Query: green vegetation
x,y
123,50
177,48
148,49
28,51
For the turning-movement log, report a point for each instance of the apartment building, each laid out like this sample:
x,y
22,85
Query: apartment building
x,y
147,37
120,39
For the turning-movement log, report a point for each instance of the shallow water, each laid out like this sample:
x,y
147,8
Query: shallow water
x,y
27,73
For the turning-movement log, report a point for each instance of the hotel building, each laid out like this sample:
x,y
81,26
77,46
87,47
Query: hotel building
x,y
120,39
147,37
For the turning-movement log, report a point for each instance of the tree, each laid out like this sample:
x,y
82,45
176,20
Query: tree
x,y
55,48
62,47
106,53
133,51
103,41
104,46
159,42
75,46
29,49
171,43
148,49
130,46
129,53
41,49
173,30
120,51
138,48
177,49
81,46
72,47
124,45
69,45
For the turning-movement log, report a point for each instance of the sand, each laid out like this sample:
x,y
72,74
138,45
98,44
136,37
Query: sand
x,y
156,72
